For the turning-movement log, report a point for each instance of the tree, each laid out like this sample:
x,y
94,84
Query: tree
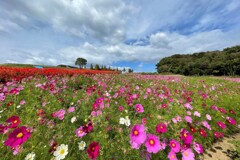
x,y
91,66
97,67
124,70
81,62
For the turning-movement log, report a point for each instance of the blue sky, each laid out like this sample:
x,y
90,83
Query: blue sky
x,y
118,33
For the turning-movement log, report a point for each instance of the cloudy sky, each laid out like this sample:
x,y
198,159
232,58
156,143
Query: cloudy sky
x,y
124,33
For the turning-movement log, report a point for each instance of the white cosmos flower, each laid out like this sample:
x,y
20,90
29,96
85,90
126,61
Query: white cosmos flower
x,y
81,145
127,121
30,156
61,152
73,119
121,121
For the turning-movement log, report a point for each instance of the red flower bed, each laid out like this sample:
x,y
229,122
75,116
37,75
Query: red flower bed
x,y
8,73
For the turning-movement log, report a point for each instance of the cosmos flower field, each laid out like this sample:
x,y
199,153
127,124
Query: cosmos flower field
x,y
108,116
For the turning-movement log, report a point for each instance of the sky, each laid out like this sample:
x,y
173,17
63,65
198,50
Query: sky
x,y
118,33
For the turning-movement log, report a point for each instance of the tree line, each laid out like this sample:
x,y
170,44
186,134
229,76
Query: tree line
x,y
82,63
217,63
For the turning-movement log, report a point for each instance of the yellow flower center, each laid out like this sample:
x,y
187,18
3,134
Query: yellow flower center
x,y
151,142
173,156
93,148
62,151
138,108
15,121
185,135
161,127
135,132
80,131
185,153
19,135
173,145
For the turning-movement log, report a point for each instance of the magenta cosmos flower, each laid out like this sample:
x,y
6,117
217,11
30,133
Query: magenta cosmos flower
x,y
186,136
139,108
13,121
231,121
161,128
187,154
221,125
152,143
175,146
137,136
202,132
17,137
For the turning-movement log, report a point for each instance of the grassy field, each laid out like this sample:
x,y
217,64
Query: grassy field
x,y
127,116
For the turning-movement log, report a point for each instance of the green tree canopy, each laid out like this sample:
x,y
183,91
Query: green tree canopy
x,y
81,62
226,62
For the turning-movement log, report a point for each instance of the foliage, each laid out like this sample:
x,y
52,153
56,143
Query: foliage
x,y
218,63
81,62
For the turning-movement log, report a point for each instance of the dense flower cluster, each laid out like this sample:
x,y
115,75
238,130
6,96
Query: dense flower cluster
x,y
104,116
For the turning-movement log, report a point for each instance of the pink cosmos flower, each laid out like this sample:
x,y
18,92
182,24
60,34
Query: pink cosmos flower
x,y
99,112
13,121
139,108
208,117
146,155
189,113
174,120
161,128
205,124
188,106
221,125
120,108
186,136
17,137
94,113
175,146
16,150
144,121
198,147
22,102
71,109
152,143
179,119
99,100
2,97
137,135
188,119
197,114
80,133
187,154
214,108
3,129
60,114
172,155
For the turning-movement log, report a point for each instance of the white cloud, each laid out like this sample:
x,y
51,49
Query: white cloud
x,y
58,31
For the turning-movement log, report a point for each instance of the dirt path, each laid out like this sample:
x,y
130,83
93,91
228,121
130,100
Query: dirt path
x,y
223,150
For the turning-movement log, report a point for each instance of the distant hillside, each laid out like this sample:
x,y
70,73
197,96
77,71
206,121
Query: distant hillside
x,y
218,63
